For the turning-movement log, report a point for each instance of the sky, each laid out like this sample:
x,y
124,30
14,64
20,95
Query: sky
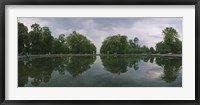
x,y
148,30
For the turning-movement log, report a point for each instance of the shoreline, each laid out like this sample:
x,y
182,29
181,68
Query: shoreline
x,y
61,55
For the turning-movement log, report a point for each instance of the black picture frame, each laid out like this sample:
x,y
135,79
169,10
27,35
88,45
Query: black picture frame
x,y
99,2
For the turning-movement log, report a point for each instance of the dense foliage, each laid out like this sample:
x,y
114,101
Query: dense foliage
x,y
118,44
79,44
114,44
22,37
40,41
170,43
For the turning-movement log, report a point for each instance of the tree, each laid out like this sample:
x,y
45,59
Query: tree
x,y
170,38
64,45
47,40
162,48
37,41
177,46
136,40
79,44
152,50
144,49
114,44
57,46
40,40
170,35
170,43
22,37
35,38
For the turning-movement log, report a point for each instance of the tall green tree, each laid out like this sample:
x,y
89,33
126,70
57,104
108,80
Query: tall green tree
x,y
79,44
35,38
152,50
47,40
39,40
136,40
114,44
22,37
170,43
134,47
57,46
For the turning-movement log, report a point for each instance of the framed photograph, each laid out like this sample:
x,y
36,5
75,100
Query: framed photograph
x,y
100,52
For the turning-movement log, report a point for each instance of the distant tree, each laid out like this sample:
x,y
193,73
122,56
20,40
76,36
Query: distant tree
x,y
136,40
79,44
152,50
114,44
145,49
134,47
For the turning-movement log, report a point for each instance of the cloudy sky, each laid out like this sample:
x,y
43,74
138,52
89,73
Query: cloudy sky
x,y
148,30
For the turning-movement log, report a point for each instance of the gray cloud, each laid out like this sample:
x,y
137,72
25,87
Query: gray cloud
x,y
148,30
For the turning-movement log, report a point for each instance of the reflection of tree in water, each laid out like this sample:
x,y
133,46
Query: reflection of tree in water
x,y
133,62
146,58
77,65
22,74
59,64
171,67
151,59
115,64
34,70
119,64
40,70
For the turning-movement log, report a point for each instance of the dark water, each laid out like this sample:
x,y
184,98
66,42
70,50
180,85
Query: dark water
x,y
100,71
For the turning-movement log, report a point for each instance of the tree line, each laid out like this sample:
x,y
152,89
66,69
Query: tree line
x,y
119,44
40,41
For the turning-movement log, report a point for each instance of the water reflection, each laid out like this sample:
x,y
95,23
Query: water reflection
x,y
115,64
34,72
77,65
171,67
40,70
119,64
133,62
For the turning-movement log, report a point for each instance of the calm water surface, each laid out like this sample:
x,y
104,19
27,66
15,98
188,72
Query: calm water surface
x,y
100,71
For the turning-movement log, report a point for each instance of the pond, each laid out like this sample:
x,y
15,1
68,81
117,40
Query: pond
x,y
100,71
